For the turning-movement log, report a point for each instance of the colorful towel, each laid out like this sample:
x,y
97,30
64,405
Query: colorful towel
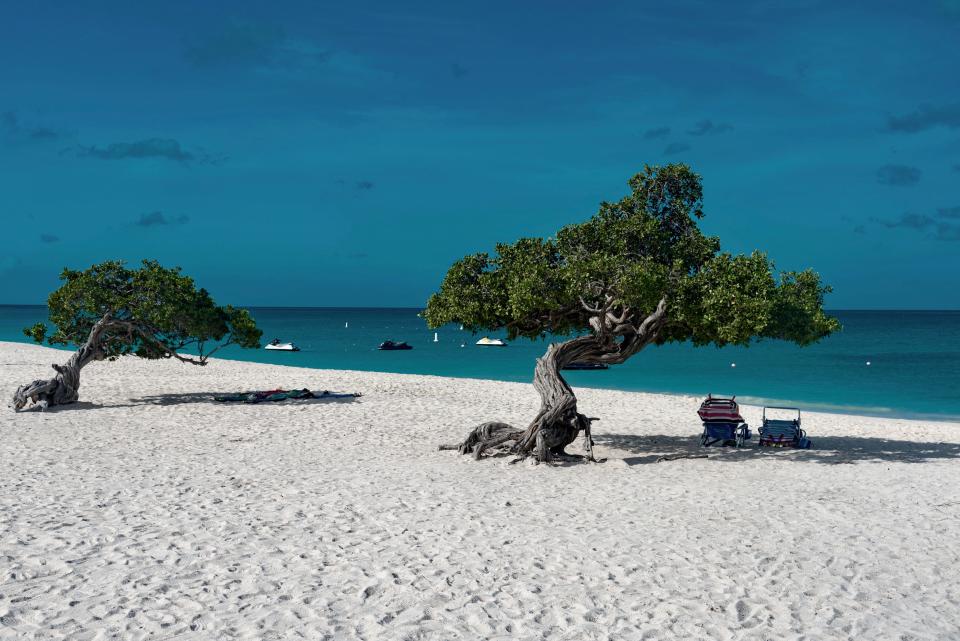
x,y
719,410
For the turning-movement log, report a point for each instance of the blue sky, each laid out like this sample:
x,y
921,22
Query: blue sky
x,y
312,154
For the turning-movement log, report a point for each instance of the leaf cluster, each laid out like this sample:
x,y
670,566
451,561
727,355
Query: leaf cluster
x,y
153,312
629,256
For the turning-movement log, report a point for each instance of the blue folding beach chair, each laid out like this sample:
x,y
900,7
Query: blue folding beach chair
x,y
782,432
722,423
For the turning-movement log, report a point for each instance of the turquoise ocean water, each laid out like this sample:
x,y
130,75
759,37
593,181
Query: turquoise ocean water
x,y
914,358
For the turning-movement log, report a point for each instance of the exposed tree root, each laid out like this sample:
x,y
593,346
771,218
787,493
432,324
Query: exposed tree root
x,y
550,443
64,387
484,437
558,423
59,390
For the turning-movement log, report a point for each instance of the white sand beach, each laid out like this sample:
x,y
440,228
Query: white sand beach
x,y
147,511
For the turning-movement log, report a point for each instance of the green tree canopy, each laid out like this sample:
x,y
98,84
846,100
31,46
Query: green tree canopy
x,y
110,310
609,273
151,312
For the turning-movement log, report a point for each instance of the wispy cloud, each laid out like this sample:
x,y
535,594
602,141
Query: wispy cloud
x,y
656,133
708,127
908,220
13,129
49,238
252,44
898,175
157,218
926,117
676,148
939,226
163,148
365,185
267,49
949,212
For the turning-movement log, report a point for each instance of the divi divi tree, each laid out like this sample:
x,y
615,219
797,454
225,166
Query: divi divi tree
x,y
110,310
639,272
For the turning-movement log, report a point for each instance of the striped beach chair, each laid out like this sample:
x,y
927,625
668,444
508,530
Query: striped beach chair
x,y
722,423
775,432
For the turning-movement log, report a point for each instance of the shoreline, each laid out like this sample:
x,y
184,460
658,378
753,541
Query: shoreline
x,y
745,400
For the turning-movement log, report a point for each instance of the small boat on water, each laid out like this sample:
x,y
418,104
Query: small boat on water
x,y
581,365
276,345
389,346
486,341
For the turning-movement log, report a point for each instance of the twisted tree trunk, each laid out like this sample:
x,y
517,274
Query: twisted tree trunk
x,y
64,387
558,423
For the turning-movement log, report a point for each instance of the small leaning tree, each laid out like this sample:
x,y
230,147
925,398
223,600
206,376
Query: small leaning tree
x,y
152,312
639,272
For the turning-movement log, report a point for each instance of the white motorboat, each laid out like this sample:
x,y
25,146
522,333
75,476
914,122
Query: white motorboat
x,y
486,341
275,344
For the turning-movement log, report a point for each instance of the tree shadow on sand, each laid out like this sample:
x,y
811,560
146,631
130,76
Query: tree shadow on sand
x,y
210,397
829,450
189,398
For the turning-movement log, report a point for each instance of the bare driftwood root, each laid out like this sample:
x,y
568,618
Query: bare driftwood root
x,y
677,457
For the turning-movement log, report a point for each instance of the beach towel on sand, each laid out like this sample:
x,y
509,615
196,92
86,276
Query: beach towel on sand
x,y
275,395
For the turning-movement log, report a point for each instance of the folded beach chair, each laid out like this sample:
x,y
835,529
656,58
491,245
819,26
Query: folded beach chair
x,y
722,423
783,432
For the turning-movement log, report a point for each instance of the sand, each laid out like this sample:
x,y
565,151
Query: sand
x,y
149,512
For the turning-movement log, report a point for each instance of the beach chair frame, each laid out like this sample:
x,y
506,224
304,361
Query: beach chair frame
x,y
716,433
782,432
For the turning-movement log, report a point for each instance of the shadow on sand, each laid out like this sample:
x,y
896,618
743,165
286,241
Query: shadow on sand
x,y
830,450
209,397
187,398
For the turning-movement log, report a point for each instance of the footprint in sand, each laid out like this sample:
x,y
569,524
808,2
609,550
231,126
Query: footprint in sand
x,y
745,617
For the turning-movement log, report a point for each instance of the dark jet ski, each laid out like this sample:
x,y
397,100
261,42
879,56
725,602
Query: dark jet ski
x,y
389,346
